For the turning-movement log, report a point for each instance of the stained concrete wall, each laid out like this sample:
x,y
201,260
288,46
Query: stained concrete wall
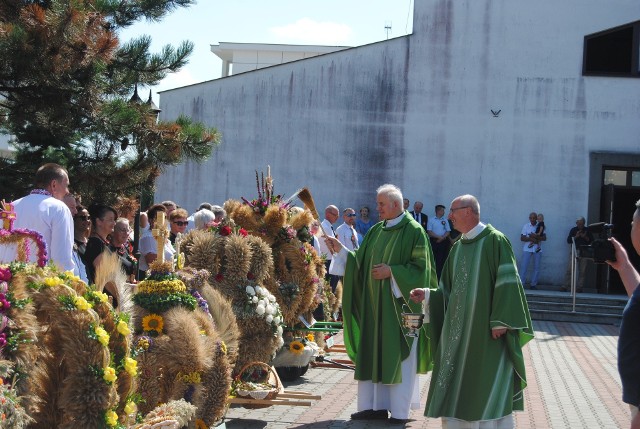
x,y
416,111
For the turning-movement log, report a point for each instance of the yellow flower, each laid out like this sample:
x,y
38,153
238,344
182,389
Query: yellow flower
x,y
81,303
311,338
109,375
69,274
130,408
192,378
296,347
123,328
103,297
103,336
200,424
223,347
111,418
53,281
131,366
153,322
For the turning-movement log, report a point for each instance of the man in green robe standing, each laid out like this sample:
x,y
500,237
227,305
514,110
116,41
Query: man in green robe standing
x,y
394,258
479,321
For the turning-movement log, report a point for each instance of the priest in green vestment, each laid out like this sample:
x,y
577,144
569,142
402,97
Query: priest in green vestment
x,y
394,258
479,322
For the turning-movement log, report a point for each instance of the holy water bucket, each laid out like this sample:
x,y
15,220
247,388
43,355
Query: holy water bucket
x,y
412,321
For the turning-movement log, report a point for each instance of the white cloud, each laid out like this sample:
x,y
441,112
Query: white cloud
x,y
308,31
177,80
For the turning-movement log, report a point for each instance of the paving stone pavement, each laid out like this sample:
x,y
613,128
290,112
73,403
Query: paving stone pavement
x,y
572,379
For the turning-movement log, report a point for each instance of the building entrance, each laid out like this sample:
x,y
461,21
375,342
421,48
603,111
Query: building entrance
x,y
618,206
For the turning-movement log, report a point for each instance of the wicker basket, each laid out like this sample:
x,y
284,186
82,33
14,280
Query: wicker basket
x,y
250,385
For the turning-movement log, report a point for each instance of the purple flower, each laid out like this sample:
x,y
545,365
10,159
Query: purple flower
x,y
3,340
5,274
4,304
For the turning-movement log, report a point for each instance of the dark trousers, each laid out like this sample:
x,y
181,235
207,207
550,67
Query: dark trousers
x,y
332,279
440,253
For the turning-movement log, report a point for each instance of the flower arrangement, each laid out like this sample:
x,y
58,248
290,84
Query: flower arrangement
x,y
19,237
265,196
157,303
13,414
162,290
287,233
225,229
261,302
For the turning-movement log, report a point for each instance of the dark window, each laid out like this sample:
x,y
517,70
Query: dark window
x,y
613,52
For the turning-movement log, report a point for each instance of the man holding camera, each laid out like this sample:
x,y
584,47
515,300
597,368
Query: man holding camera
x,y
629,339
582,236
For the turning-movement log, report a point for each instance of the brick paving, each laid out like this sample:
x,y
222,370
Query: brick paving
x,y
571,371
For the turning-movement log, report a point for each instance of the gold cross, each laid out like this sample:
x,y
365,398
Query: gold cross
x,y
160,233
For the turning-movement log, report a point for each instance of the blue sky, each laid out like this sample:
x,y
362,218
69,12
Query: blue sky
x,y
327,22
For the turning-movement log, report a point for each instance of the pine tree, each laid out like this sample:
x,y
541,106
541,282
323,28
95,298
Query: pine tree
x,y
65,94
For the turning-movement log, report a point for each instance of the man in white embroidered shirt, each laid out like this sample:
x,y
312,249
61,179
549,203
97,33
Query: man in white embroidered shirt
x,y
43,211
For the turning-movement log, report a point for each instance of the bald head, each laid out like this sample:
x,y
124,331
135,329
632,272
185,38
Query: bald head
x,y
464,213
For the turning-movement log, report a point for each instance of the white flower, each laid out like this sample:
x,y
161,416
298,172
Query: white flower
x,y
270,309
260,310
279,329
276,320
280,342
254,299
272,298
262,303
250,290
259,290
269,318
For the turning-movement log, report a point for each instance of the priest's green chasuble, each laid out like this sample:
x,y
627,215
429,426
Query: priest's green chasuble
x,y
374,337
474,376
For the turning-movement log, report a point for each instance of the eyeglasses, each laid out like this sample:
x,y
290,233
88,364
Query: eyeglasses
x,y
351,215
181,223
123,231
83,217
458,208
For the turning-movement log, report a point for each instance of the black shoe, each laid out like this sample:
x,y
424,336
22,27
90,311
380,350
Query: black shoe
x,y
370,415
394,421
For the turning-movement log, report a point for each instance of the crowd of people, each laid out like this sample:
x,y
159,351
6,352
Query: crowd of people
x,y
456,270
78,236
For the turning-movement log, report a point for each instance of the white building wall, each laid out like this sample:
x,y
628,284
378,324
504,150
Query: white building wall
x,y
416,111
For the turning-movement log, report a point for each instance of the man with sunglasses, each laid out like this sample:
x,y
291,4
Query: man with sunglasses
x,y
178,224
346,232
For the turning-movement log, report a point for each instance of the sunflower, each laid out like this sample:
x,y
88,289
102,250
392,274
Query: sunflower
x,y
310,337
153,322
296,347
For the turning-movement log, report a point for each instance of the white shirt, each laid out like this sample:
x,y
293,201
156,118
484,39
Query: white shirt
x,y
148,245
52,219
474,232
347,236
328,229
526,230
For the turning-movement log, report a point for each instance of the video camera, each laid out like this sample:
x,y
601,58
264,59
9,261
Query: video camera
x,y
601,249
